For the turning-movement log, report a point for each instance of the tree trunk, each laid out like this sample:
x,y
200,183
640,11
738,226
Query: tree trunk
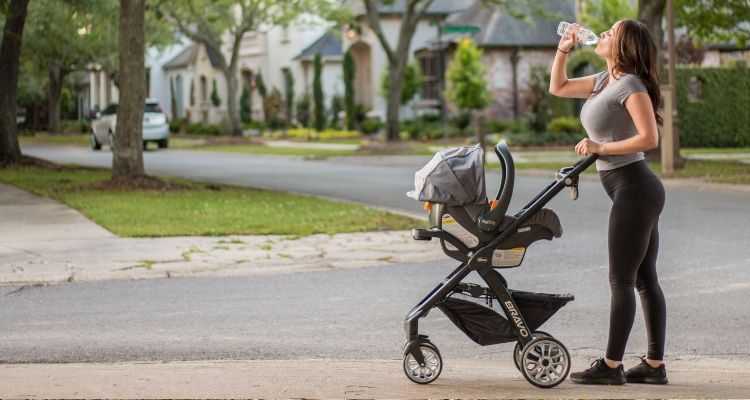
x,y
56,77
651,13
127,162
10,53
396,81
230,75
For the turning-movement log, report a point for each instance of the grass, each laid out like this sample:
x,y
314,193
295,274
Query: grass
x,y
45,138
711,150
199,210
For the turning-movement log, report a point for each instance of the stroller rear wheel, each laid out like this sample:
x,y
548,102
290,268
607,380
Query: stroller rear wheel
x,y
433,365
517,350
545,362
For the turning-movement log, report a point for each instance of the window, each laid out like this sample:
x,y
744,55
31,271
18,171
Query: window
x,y
428,63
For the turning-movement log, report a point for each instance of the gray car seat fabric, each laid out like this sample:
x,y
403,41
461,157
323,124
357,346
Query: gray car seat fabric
x,y
454,177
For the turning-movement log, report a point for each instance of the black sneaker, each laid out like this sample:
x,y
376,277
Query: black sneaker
x,y
644,373
600,374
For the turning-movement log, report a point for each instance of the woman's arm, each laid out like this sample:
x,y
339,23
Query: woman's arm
x,y
559,84
638,105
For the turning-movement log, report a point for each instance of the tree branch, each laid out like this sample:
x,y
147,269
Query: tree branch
x,y
373,18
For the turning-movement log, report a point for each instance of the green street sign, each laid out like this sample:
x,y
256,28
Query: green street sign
x,y
461,29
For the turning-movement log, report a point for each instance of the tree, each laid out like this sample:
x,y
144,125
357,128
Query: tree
x,y
63,37
262,92
289,94
10,54
210,21
397,57
127,162
412,82
599,15
215,99
337,103
318,106
349,68
467,88
245,110
712,21
538,97
303,110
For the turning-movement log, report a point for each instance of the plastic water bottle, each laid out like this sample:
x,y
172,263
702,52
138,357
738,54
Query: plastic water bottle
x,y
584,35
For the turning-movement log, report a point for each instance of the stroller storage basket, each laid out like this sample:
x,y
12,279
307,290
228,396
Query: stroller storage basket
x,y
485,326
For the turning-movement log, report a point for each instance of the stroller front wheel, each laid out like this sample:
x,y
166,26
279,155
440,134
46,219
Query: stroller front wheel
x,y
433,365
545,362
518,350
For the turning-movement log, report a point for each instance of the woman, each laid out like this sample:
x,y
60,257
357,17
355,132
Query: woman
x,y
620,118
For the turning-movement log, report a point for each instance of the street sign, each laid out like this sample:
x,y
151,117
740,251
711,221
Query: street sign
x,y
461,29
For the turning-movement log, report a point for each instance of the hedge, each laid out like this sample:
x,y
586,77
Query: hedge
x,y
720,116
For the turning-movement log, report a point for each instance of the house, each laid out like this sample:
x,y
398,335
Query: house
x,y
191,77
370,58
332,76
511,48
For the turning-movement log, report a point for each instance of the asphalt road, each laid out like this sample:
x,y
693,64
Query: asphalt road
x,y
358,314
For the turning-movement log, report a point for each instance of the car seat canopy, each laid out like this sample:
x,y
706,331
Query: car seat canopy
x,y
453,177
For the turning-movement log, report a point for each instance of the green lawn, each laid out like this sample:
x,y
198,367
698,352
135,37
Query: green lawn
x,y
711,150
200,209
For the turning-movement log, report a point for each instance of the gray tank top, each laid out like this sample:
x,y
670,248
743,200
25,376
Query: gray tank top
x,y
606,119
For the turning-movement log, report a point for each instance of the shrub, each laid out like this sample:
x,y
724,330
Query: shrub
x,y
497,125
371,125
462,120
201,129
175,125
85,127
565,124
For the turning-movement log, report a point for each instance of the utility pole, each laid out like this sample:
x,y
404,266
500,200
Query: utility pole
x,y
668,94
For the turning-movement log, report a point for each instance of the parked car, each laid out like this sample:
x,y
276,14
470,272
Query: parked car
x,y
155,126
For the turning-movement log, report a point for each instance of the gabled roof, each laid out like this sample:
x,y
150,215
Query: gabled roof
x,y
500,29
328,45
186,56
438,7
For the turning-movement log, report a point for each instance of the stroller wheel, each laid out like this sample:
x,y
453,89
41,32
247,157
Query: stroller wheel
x,y
545,362
517,350
432,368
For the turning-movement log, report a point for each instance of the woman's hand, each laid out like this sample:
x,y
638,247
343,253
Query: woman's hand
x,y
588,146
569,38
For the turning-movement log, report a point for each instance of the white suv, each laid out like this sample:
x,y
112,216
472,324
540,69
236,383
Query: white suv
x,y
155,126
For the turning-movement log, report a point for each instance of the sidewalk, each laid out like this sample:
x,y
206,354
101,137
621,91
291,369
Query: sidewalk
x,y
43,242
691,378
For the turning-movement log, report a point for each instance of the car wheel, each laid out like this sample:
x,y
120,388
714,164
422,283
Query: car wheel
x,y
163,143
95,145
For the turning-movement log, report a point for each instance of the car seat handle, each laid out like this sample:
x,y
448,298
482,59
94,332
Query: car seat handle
x,y
491,219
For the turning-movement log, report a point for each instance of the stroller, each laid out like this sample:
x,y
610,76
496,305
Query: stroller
x,y
483,238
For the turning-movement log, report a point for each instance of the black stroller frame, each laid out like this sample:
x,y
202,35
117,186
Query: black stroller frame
x,y
418,348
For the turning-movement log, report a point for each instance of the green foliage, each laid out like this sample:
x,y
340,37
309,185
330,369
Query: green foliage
x,y
288,94
718,116
215,99
303,110
349,68
714,21
328,134
337,105
318,106
371,125
260,84
176,125
497,125
246,114
467,89
542,139
273,106
412,82
203,129
537,99
599,15
462,120
566,124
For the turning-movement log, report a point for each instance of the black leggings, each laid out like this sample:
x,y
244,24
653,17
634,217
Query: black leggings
x,y
637,200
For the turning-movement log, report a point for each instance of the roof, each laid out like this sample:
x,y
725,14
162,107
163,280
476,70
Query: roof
x,y
438,7
499,29
328,45
186,56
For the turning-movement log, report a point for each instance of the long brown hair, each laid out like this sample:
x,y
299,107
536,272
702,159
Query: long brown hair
x,y
634,52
